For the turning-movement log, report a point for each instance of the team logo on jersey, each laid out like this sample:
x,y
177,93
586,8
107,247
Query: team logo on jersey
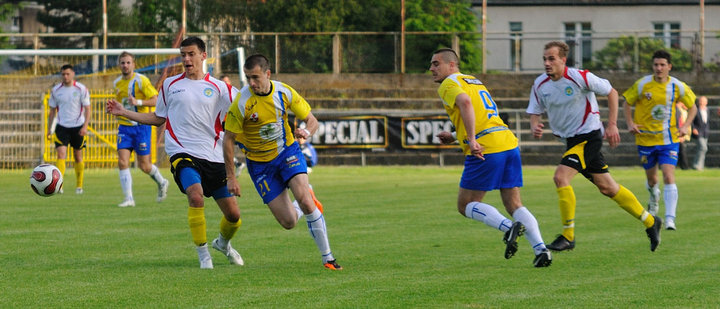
x,y
658,112
208,92
648,95
569,91
254,117
271,131
472,81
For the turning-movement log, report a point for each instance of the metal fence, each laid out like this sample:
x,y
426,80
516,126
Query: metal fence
x,y
369,52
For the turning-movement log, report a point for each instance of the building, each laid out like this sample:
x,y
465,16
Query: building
x,y
518,29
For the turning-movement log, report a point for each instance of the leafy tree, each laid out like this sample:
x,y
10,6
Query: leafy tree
x,y
618,54
77,16
6,9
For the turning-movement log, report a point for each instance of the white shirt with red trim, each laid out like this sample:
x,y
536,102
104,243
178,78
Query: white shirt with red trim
x,y
70,102
570,102
194,111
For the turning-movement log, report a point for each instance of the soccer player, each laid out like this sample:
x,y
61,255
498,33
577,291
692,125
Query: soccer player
x,y
193,105
136,93
258,122
656,130
567,95
70,101
492,157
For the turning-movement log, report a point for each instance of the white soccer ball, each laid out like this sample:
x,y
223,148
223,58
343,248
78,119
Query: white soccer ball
x,y
46,180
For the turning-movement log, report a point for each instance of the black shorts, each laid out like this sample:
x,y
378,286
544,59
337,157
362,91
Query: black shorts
x,y
583,154
65,136
212,174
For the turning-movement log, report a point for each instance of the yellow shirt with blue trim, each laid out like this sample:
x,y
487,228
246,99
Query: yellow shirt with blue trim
x,y
261,121
138,86
490,131
655,112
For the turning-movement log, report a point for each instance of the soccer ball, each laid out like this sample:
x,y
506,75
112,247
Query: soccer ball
x,y
46,180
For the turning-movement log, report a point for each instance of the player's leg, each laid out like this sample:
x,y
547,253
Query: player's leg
x,y
61,151
61,140
229,224
142,151
627,201
513,204
670,194
77,142
315,220
567,204
649,161
189,180
125,177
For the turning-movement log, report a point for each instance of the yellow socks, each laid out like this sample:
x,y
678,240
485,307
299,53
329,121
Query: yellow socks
x,y
627,200
80,173
567,203
228,229
60,163
196,219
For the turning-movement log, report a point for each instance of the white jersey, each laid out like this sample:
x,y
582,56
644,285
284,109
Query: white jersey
x,y
70,102
569,102
194,111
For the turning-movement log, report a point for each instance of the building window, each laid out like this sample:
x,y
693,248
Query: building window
x,y
516,45
668,32
16,24
577,36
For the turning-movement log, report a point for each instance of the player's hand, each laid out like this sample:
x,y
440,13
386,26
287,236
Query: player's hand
x,y
302,133
132,100
83,131
114,107
233,186
537,131
684,130
612,135
476,149
633,128
445,137
49,136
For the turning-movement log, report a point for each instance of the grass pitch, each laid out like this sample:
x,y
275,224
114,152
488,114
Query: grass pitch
x,y
395,230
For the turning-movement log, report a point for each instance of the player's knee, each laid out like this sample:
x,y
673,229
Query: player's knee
x,y
196,200
287,224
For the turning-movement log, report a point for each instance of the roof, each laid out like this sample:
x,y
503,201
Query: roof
x,y
592,2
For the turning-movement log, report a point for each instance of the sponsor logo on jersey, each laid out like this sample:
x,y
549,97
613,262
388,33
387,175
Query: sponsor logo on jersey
x,y
648,95
208,92
473,81
254,117
569,91
177,91
658,112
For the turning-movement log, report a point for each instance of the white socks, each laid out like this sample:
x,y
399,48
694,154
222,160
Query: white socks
x,y
654,193
532,230
155,175
126,183
318,231
487,214
670,194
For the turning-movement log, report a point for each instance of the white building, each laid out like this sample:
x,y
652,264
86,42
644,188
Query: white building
x,y
518,29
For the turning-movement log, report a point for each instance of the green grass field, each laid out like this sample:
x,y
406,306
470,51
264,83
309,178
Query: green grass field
x,y
395,230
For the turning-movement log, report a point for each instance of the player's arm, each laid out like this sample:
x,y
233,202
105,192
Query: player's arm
x,y
631,125
446,137
114,107
311,126
611,130
467,113
88,111
51,117
229,158
536,125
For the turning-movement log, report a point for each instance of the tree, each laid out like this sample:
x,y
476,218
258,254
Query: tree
x,y
76,16
618,54
6,10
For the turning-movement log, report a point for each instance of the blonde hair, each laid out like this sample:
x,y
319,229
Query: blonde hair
x,y
563,48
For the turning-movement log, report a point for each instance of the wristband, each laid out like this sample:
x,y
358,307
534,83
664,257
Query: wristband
x,y
307,132
138,102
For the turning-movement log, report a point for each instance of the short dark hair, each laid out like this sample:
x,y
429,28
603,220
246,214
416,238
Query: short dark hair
x,y
66,66
257,60
449,55
193,40
662,54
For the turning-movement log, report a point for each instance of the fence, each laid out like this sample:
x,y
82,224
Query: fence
x,y
23,142
373,52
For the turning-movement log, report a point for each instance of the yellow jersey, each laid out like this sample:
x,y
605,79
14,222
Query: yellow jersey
x,y
490,131
138,86
655,112
261,122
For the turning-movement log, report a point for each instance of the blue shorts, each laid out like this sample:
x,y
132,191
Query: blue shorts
x,y
650,156
500,170
135,138
271,178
